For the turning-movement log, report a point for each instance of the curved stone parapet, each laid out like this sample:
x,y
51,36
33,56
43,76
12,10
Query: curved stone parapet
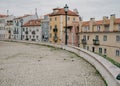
x,y
108,71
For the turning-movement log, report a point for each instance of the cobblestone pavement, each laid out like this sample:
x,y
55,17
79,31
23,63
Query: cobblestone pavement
x,y
35,65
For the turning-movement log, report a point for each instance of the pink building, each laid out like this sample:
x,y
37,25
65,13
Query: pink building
x,y
72,32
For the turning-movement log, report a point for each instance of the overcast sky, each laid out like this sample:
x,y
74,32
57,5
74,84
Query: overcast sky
x,y
87,8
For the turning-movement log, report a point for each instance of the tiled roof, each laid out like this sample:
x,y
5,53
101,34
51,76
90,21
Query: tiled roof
x,y
100,22
117,21
32,23
86,23
62,12
22,16
2,16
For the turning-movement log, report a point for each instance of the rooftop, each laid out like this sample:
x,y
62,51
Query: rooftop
x,y
22,16
2,16
32,23
60,11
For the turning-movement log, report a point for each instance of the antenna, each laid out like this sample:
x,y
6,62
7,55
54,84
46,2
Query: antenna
x,y
7,12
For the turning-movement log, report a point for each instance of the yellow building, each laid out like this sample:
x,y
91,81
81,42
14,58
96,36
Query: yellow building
x,y
101,36
57,23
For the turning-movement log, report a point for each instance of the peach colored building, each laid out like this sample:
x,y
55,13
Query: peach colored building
x,y
101,36
57,23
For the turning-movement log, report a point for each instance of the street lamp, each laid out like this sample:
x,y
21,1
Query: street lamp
x,y
66,11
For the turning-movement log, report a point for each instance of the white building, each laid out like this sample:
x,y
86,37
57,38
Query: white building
x,y
3,22
18,22
32,30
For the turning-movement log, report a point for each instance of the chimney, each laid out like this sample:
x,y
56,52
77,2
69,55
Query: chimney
x,y
92,22
112,21
92,19
112,17
105,17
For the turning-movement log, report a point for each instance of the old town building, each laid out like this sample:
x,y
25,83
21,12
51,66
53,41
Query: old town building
x,y
102,36
45,28
4,28
31,30
18,22
57,23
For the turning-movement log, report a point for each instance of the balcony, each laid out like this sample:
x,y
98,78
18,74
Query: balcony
x,y
84,41
26,32
96,42
55,30
33,32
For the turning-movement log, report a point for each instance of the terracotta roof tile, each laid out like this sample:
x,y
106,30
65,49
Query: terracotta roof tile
x,y
117,21
62,12
86,23
2,16
22,16
32,23
100,22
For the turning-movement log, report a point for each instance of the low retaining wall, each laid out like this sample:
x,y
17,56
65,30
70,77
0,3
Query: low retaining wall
x,y
105,68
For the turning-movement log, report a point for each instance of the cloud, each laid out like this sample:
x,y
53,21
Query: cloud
x,y
86,8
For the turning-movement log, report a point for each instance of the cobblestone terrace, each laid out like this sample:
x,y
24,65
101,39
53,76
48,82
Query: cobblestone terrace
x,y
35,65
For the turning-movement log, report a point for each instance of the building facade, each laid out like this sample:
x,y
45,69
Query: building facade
x,y
57,23
72,32
4,33
101,36
32,30
45,28
18,22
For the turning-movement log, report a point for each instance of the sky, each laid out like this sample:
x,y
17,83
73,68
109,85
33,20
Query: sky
x,y
87,8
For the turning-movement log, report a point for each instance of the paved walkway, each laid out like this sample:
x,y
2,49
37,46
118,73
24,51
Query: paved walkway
x,y
34,65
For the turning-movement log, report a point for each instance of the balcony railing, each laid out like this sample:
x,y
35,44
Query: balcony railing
x,y
96,42
55,30
84,41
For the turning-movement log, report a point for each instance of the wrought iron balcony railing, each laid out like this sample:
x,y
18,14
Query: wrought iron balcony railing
x,y
84,41
96,42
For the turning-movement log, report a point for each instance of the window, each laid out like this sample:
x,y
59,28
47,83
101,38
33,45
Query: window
x,y
87,47
87,37
37,30
30,36
118,38
86,28
117,53
23,29
104,38
100,50
68,18
119,27
26,29
105,51
97,37
106,27
73,19
55,19
37,37
98,28
84,37
50,27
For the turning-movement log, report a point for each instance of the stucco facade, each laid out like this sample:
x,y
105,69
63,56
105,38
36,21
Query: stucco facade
x,y
32,30
57,23
101,36
45,28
